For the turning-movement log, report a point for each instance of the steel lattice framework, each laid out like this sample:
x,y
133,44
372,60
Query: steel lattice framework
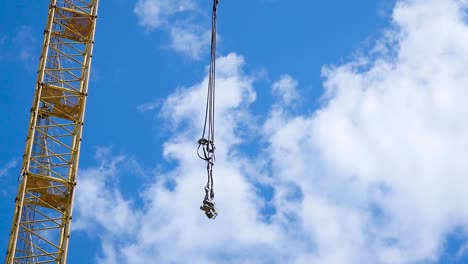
x,y
43,207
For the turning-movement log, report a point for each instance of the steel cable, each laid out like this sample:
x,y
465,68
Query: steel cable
x,y
206,142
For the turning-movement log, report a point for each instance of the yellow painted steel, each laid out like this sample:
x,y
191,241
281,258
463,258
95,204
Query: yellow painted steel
x,y
43,207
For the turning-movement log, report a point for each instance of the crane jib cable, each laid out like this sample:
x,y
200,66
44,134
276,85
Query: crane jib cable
x,y
206,146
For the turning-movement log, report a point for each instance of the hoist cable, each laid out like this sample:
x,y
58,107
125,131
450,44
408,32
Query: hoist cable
x,y
210,99
206,142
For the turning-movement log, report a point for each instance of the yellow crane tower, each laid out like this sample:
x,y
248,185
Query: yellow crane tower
x,y
44,203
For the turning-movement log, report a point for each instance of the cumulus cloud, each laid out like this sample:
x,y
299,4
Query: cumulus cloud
x,y
154,14
98,200
172,213
386,152
376,175
190,40
286,88
179,18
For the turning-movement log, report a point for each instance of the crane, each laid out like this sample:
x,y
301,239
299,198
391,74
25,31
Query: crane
x,y
44,203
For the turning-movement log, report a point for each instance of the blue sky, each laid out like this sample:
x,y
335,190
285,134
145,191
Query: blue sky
x,y
340,131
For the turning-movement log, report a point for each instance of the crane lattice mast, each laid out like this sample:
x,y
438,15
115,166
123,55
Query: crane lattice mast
x,y
43,207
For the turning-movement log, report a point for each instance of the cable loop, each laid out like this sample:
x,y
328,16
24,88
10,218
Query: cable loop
x,y
206,147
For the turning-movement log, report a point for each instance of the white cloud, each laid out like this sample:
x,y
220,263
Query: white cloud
x,y
98,200
190,40
20,46
150,106
11,164
154,14
180,19
377,175
286,88
23,41
174,214
387,151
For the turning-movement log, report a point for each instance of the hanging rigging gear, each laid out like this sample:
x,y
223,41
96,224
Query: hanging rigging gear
x,y
206,144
